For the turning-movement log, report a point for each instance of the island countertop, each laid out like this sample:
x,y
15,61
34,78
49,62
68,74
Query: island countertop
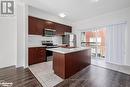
x,y
67,50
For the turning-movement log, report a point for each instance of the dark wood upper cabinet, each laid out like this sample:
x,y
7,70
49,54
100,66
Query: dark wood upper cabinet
x,y
37,26
49,24
68,29
32,25
40,27
61,29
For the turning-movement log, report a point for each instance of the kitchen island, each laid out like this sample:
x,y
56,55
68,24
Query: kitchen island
x,y
68,61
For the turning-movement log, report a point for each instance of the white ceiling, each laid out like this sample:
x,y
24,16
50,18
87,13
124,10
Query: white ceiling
x,y
79,9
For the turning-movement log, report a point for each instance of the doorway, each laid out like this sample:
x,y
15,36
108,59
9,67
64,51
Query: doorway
x,y
108,45
95,39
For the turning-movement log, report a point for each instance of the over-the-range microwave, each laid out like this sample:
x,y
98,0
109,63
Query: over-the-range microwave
x,y
49,32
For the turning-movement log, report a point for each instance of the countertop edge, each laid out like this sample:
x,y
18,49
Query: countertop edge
x,y
67,52
35,46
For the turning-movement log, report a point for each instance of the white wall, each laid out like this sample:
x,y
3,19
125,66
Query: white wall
x,y
8,41
44,15
105,19
22,34
13,36
57,40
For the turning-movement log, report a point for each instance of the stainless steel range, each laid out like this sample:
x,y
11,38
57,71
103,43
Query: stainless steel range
x,y
49,44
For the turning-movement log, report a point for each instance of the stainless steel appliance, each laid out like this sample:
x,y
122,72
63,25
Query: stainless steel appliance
x,y
50,32
49,44
69,39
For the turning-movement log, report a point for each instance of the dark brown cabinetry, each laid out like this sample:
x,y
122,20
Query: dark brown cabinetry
x,y
49,24
66,65
37,26
37,55
61,29
32,25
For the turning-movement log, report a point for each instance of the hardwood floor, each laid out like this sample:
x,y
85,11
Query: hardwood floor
x,y
20,77
94,76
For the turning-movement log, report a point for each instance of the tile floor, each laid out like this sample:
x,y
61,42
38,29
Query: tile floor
x,y
45,75
102,63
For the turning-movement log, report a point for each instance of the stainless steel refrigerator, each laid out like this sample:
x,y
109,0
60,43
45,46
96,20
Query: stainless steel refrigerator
x,y
69,39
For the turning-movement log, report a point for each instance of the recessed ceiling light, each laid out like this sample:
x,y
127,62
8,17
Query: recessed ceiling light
x,y
94,0
62,15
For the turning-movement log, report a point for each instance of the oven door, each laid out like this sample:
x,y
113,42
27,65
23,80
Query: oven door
x,y
49,53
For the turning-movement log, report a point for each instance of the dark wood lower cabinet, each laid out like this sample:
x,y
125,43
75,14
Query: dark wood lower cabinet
x,y
37,55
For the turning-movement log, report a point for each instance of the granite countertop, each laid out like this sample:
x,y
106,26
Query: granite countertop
x,y
67,50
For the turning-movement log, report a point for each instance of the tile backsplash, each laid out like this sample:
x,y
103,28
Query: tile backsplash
x,y
35,40
57,39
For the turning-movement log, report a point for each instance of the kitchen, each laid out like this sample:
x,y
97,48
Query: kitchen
x,y
48,39
46,33
65,43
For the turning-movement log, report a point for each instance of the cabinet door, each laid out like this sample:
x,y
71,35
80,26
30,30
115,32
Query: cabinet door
x,y
41,54
36,55
32,56
32,25
35,26
59,29
49,24
68,29
39,27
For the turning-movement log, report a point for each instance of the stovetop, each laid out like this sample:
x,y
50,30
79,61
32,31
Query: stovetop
x,y
49,44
